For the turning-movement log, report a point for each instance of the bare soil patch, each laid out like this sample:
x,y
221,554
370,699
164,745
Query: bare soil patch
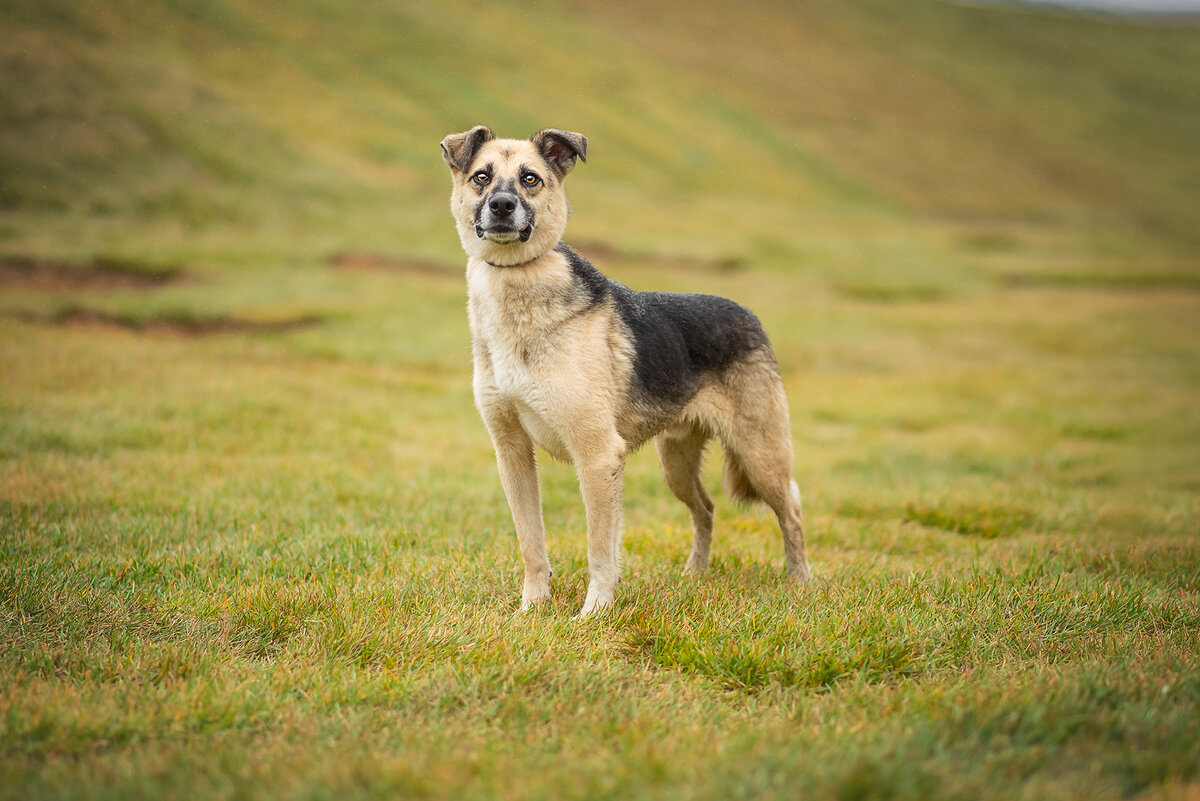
x,y
601,253
100,273
375,261
179,324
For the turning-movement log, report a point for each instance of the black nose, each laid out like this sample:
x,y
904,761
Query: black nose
x,y
502,203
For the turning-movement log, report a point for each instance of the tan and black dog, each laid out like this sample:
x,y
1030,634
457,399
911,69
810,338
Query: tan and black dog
x,y
590,370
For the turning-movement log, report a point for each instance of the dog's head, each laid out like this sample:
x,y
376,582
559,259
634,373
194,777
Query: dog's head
x,y
508,200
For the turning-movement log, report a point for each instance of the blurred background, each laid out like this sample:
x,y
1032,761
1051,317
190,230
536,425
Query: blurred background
x,y
252,540
971,230
838,138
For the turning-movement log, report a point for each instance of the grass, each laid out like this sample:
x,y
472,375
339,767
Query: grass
x,y
252,542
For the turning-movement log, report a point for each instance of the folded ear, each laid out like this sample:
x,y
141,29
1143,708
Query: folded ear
x,y
560,149
458,150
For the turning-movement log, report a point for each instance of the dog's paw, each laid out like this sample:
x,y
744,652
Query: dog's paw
x,y
800,573
536,588
595,611
533,600
596,601
695,566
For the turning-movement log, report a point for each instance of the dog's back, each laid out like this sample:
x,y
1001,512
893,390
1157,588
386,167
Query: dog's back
x,y
680,342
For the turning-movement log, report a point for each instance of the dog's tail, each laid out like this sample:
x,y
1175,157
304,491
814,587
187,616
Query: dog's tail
x,y
737,485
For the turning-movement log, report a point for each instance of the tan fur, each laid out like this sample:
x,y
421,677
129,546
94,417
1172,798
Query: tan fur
x,y
553,370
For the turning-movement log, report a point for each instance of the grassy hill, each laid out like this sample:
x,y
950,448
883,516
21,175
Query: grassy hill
x,y
231,127
252,540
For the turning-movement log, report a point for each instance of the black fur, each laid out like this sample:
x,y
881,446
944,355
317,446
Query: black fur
x,y
588,280
677,338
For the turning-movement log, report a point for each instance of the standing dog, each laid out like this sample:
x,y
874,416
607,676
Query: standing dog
x,y
589,369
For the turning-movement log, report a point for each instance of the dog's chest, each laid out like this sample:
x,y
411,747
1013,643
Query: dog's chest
x,y
524,361
520,327
518,345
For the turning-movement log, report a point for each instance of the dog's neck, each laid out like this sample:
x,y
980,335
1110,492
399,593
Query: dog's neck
x,y
525,263
516,308
518,264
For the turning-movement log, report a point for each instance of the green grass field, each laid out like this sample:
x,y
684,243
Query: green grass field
x,y
252,540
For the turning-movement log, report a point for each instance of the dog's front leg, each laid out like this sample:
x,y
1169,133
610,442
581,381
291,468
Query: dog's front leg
x,y
601,468
518,475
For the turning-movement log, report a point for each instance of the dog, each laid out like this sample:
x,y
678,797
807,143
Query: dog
x,y
589,370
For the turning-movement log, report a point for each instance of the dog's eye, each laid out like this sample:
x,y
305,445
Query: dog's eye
x,y
530,179
480,178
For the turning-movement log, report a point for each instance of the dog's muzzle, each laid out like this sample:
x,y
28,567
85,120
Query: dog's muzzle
x,y
503,218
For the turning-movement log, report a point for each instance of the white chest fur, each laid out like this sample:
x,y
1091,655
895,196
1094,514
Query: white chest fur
x,y
517,315
538,352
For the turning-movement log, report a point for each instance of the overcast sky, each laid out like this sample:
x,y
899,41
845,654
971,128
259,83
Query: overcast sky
x,y
1144,6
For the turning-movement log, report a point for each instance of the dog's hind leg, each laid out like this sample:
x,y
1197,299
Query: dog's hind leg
x,y
787,506
758,456
680,452
767,469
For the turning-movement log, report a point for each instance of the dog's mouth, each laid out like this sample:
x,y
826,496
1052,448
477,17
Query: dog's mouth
x,y
504,234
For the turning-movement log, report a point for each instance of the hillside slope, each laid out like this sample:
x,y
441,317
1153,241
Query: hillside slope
x,y
231,128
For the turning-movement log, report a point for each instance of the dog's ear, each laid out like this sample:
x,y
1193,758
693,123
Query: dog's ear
x,y
458,150
560,149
